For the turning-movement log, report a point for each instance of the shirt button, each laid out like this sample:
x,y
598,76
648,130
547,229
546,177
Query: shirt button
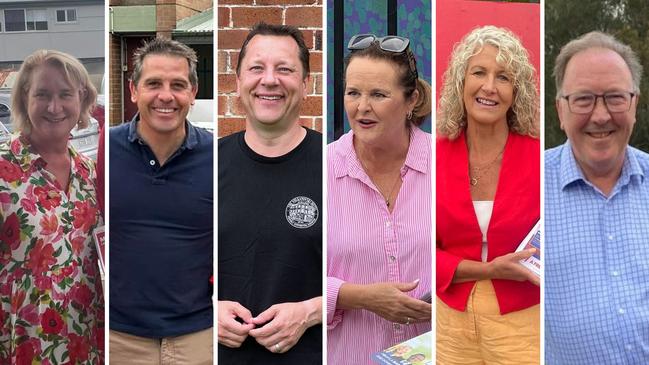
x,y
615,273
621,310
628,347
397,326
610,237
392,258
387,224
152,162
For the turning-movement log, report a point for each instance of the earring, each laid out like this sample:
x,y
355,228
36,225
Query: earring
x,y
409,115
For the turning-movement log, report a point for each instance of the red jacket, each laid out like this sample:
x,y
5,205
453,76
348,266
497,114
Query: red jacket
x,y
516,210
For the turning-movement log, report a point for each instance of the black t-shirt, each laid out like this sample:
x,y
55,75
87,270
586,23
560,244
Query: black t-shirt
x,y
270,238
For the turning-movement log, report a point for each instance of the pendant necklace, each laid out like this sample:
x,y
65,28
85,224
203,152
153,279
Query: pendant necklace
x,y
394,185
476,173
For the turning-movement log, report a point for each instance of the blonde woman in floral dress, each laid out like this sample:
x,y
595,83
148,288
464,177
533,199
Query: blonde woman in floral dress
x,y
51,304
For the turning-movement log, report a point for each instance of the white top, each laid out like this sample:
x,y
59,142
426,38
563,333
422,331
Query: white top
x,y
483,209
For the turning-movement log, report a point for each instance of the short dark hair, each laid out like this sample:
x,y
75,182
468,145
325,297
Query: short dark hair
x,y
165,47
281,31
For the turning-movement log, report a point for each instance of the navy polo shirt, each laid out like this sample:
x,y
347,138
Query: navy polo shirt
x,y
161,235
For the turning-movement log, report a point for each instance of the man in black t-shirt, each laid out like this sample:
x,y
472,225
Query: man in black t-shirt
x,y
270,195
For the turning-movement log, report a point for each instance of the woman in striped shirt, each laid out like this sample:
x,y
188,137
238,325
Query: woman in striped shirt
x,y
379,188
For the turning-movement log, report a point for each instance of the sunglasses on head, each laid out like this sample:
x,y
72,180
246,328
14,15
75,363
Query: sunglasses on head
x,y
390,43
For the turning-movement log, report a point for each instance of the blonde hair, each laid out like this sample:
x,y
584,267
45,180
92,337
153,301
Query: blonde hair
x,y
73,72
523,116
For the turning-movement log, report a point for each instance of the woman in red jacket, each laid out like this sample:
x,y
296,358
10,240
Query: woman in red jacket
x,y
488,196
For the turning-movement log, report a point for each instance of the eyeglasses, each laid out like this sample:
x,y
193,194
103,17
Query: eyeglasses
x,y
391,43
584,103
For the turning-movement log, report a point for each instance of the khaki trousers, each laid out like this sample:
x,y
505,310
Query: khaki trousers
x,y
191,349
482,336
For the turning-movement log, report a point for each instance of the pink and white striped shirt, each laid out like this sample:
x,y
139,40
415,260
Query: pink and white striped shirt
x,y
368,244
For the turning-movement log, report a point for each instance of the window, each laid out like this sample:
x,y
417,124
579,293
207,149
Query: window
x,y
36,19
20,20
15,20
66,15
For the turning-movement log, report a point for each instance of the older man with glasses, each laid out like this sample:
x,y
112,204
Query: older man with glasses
x,y
596,217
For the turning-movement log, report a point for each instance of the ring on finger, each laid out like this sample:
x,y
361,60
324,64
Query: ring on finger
x,y
277,348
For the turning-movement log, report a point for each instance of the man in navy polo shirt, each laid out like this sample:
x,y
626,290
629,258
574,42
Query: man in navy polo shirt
x,y
161,217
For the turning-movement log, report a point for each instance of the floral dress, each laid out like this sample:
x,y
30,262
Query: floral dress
x,y
51,300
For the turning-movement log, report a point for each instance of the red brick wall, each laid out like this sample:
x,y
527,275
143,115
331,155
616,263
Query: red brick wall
x,y
168,12
235,17
115,86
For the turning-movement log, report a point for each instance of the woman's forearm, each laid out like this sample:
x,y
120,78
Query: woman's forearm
x,y
351,296
469,270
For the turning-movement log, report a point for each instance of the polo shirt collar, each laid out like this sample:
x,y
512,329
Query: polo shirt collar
x,y
571,172
191,139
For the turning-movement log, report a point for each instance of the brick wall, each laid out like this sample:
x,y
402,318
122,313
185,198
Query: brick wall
x,y
235,17
115,76
168,12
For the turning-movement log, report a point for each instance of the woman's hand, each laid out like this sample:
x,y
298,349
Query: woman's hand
x,y
388,300
509,267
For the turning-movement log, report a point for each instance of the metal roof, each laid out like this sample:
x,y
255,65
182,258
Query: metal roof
x,y
199,23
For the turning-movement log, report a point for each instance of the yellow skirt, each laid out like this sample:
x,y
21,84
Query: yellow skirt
x,y
482,336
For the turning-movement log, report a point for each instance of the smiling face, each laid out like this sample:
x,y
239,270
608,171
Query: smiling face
x,y
488,89
598,139
53,105
270,83
163,94
375,102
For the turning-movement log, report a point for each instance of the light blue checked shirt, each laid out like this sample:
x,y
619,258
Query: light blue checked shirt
x,y
596,263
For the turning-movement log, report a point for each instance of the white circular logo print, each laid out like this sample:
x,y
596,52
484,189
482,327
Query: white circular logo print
x,y
301,212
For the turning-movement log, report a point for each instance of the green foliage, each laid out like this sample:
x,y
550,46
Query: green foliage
x,y
627,20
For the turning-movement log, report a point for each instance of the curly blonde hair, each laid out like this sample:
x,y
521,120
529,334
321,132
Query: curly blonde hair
x,y
74,73
523,116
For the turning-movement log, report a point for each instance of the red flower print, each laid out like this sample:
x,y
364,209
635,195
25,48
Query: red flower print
x,y
78,243
49,225
9,172
40,257
51,322
89,267
5,198
29,205
10,231
70,270
16,146
29,314
82,168
17,300
85,215
47,197
81,294
43,282
78,348
25,353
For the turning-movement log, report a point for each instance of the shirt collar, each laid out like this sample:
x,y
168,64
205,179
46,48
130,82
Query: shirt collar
x,y
571,172
28,159
191,139
418,157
